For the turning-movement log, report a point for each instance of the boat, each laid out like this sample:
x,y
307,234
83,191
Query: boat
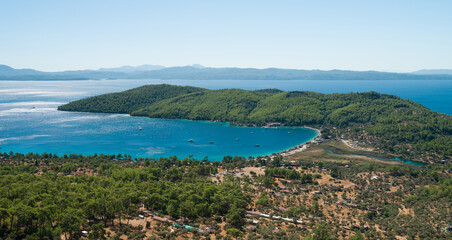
x,y
257,145
211,142
237,139
251,132
289,132
191,140
140,128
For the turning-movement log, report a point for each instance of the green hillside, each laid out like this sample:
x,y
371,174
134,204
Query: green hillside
x,y
232,105
382,121
127,101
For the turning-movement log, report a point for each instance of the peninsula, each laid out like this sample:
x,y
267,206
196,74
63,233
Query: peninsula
x,y
385,123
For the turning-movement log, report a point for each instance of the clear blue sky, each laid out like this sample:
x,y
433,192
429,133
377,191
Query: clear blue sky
x,y
393,35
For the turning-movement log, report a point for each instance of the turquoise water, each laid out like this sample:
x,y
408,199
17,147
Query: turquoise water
x,y
89,133
29,121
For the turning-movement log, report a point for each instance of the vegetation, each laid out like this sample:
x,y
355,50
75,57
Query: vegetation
x,y
39,202
381,121
50,197
230,105
128,101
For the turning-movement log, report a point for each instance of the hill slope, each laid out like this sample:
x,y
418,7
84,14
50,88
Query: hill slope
x,y
383,121
127,101
232,105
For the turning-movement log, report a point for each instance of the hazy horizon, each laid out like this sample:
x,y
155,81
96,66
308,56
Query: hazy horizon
x,y
206,66
402,36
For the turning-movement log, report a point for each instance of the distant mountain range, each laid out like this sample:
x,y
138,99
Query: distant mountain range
x,y
129,69
198,72
433,71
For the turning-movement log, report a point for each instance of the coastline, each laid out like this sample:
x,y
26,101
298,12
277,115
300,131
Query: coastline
x,y
298,148
268,145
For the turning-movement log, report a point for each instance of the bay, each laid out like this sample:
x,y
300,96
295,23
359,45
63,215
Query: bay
x,y
29,121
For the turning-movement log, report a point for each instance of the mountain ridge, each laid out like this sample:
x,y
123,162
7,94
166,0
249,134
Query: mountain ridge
x,y
433,71
199,72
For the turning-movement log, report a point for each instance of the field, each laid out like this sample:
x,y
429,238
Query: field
x,y
344,154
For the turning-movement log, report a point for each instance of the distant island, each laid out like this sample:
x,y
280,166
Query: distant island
x,y
198,72
385,123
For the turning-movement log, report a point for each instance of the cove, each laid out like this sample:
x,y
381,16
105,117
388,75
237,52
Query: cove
x,y
62,133
379,158
29,121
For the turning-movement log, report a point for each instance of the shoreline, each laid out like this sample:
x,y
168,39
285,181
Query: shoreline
x,y
298,148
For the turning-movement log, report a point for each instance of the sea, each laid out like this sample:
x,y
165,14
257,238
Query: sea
x,y
30,122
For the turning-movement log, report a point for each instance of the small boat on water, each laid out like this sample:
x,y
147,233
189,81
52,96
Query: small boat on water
x,y
289,132
140,128
191,140
257,145
251,132
211,142
237,139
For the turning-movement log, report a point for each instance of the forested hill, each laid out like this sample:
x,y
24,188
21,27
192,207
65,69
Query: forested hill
x,y
128,101
383,121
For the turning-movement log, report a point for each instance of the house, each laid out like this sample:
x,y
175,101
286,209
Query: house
x,y
253,221
274,124
287,219
160,219
374,178
276,230
253,212
250,227
283,209
206,230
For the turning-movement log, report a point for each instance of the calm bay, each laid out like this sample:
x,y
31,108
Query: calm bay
x,y
29,121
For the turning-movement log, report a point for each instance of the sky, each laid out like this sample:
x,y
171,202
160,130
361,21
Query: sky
x,y
398,36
